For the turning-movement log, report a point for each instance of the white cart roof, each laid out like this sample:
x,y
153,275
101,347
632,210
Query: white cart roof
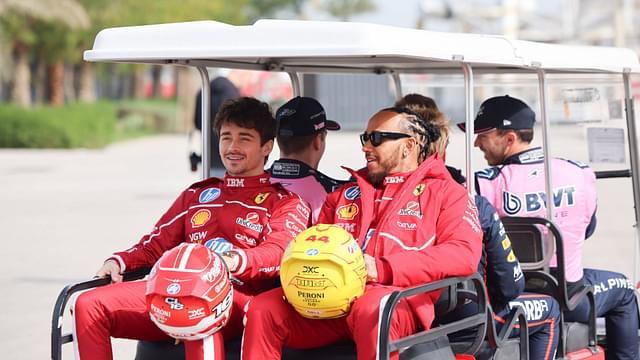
x,y
319,46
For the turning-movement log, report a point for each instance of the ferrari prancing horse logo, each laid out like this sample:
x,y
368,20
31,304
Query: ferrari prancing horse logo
x,y
260,198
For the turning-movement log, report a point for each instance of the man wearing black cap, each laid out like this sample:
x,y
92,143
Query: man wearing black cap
x,y
515,186
301,136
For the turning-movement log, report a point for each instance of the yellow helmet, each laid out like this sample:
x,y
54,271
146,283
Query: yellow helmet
x,y
323,272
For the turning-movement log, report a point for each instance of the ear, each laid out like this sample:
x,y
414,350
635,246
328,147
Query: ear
x,y
511,138
411,145
316,143
267,148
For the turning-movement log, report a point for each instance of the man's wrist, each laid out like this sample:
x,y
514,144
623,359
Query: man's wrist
x,y
234,260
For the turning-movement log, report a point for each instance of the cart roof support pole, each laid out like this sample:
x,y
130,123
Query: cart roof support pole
x,y
296,83
205,111
548,187
469,133
397,83
632,135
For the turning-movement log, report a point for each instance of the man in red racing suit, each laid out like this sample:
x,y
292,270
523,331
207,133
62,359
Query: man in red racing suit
x,y
243,217
415,225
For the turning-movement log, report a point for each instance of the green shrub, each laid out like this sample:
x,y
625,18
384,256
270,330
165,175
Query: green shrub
x,y
70,126
81,125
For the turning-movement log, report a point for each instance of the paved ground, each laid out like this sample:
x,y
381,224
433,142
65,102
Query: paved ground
x,y
62,212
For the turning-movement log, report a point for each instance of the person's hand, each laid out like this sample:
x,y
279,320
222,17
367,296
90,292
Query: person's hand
x,y
370,266
110,268
231,260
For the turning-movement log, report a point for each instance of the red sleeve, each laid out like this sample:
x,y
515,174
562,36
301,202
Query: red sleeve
x,y
457,249
290,216
167,233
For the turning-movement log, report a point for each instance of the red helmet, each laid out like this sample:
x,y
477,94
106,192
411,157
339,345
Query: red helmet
x,y
189,295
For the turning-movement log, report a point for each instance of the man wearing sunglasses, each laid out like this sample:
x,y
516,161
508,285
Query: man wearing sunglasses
x,y
415,225
499,267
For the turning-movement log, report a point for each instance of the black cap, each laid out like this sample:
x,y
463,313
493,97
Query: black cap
x,y
302,116
502,112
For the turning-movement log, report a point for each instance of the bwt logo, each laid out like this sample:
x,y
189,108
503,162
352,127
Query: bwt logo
x,y
536,201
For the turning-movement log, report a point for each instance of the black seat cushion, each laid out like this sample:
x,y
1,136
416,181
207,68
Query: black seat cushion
x,y
576,336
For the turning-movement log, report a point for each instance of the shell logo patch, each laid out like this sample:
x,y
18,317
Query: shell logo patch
x,y
347,212
200,218
419,189
260,198
511,257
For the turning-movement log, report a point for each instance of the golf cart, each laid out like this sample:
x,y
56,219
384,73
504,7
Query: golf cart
x,y
311,47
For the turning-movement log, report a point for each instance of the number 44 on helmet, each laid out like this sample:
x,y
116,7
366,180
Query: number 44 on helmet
x,y
323,272
189,294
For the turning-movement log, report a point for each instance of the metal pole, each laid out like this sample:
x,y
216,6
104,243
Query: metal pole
x,y
397,83
205,110
633,152
469,134
548,187
296,83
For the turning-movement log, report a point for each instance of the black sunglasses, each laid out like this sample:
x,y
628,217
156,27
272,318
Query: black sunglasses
x,y
376,137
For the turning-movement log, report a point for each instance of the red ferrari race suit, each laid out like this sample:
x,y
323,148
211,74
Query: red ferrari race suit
x,y
245,215
420,227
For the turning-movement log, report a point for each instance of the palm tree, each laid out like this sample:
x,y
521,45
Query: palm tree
x,y
17,18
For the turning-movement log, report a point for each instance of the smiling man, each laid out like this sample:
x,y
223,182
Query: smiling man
x,y
243,217
414,224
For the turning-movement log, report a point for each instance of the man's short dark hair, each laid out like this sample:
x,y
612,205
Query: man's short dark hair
x,y
525,135
249,113
296,144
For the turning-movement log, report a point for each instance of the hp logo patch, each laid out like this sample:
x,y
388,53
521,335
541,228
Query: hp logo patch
x,y
173,289
312,252
218,245
208,195
352,193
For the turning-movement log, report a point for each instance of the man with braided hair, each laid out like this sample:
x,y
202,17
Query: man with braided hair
x,y
498,265
414,224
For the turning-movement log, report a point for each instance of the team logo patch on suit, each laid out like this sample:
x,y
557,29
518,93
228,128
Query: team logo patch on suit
x,y
352,193
511,257
250,222
218,245
506,243
347,212
200,218
260,198
235,182
208,195
393,180
411,209
419,189
173,289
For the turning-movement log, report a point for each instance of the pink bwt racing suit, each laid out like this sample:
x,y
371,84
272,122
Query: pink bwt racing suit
x,y
420,227
517,189
245,215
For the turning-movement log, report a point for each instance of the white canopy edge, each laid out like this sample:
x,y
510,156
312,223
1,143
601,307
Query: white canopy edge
x,y
320,46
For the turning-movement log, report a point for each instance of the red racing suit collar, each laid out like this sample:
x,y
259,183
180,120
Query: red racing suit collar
x,y
246,181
